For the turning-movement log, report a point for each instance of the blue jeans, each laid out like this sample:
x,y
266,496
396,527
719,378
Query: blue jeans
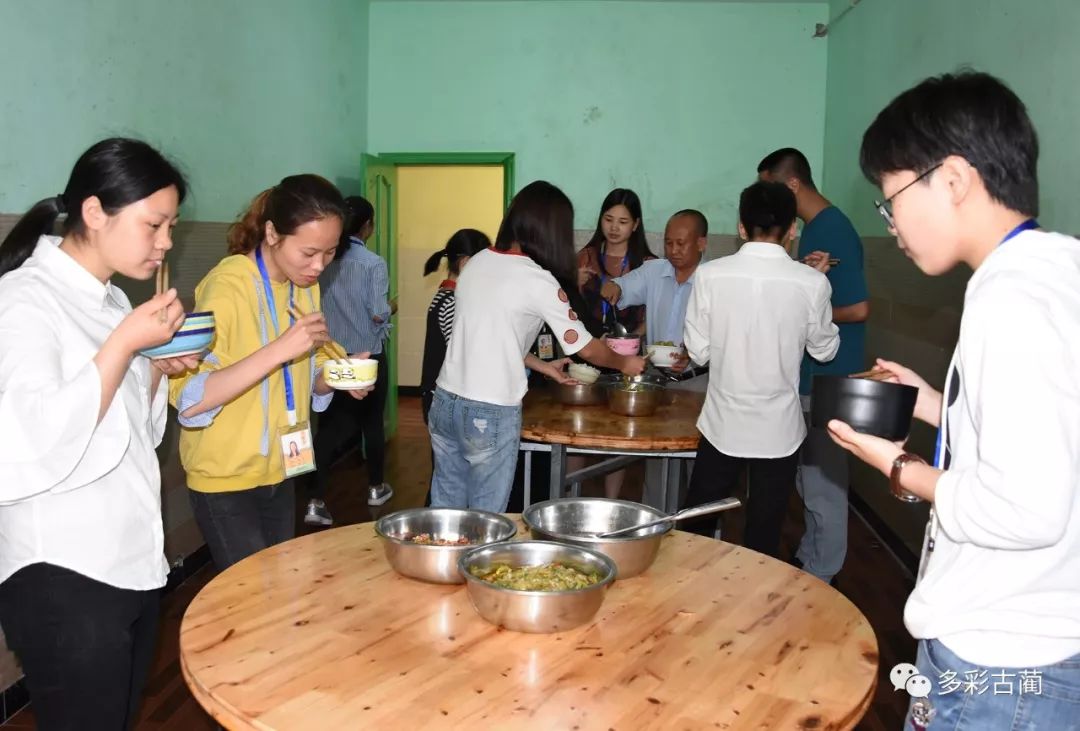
x,y
822,482
1055,707
476,449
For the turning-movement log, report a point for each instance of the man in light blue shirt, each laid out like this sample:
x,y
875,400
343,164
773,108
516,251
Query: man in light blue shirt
x,y
663,285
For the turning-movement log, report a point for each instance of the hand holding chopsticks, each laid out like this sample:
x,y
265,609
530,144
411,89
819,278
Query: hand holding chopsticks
x,y
875,374
162,285
820,260
333,348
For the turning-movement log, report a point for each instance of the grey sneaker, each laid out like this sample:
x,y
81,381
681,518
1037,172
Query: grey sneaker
x,y
317,513
379,495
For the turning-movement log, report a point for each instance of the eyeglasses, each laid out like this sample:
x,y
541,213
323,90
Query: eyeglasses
x,y
885,207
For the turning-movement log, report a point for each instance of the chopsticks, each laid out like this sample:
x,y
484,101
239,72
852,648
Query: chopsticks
x,y
335,350
161,286
874,374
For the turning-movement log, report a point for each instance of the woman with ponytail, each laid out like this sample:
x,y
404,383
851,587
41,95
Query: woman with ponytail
x,y
81,539
440,318
254,392
502,298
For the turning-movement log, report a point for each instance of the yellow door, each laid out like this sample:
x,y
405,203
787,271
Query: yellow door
x,y
434,201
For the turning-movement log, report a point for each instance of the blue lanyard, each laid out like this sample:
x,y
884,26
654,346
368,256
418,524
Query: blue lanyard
x,y
604,274
1027,225
290,403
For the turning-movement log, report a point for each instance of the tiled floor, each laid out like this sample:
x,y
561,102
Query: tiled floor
x,y
871,579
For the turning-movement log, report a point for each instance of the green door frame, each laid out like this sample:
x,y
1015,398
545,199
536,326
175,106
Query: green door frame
x,y
397,159
503,159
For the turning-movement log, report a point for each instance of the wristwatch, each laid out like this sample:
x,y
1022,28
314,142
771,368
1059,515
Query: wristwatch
x,y
894,477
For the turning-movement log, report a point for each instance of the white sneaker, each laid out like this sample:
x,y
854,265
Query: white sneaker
x,y
317,513
379,495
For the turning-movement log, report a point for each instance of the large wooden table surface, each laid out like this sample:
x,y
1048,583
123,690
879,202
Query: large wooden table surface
x,y
319,633
672,427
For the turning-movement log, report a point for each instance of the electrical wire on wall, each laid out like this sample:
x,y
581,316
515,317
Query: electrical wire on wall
x,y
822,29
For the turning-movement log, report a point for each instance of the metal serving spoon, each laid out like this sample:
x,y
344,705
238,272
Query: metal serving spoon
x,y
706,509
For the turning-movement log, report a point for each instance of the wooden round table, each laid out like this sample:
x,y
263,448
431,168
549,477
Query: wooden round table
x,y
671,428
670,435
319,633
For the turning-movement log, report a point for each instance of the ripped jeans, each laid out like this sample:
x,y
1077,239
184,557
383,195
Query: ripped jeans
x,y
476,451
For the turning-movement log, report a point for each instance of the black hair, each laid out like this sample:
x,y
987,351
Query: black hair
x,y
787,162
766,210
358,213
968,114
117,171
701,224
296,200
637,247
465,242
540,220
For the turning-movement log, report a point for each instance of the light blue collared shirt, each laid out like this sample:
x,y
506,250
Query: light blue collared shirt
x,y
653,284
354,292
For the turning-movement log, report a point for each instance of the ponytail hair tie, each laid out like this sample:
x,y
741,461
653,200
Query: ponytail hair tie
x,y
61,207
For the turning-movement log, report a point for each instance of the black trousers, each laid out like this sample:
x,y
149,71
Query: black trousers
x,y
771,483
240,523
345,420
86,647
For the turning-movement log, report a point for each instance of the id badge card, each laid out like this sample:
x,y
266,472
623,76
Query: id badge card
x,y
546,346
297,451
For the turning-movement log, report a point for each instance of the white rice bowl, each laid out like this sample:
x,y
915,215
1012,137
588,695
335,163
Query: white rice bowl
x,y
583,373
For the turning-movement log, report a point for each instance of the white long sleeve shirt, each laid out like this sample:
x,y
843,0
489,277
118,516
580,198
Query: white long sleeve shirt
x,y
752,315
75,493
1002,585
502,299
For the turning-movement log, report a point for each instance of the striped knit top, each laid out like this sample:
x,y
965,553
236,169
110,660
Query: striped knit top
x,y
440,320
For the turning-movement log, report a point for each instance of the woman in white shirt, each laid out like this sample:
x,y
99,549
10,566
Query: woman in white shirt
x,y
81,540
503,297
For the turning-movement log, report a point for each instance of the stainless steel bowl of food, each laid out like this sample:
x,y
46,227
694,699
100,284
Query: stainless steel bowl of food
x,y
561,586
579,394
426,543
578,520
634,399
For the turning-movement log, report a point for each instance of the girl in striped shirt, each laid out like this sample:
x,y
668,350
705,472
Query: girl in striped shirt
x,y
463,244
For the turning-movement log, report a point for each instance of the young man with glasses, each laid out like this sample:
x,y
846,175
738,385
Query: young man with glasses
x,y
823,468
998,593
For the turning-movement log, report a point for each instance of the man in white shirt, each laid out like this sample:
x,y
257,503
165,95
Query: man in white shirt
x,y
751,317
998,595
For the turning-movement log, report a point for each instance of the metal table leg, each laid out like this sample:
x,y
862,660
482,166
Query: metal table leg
x,y
527,500
558,471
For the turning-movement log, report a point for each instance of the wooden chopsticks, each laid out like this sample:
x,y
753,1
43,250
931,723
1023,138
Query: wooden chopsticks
x,y
874,374
335,350
161,286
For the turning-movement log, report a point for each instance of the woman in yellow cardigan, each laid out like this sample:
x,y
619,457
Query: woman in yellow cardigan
x,y
252,395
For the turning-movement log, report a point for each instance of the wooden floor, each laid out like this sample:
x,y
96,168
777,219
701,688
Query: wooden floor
x,y
871,579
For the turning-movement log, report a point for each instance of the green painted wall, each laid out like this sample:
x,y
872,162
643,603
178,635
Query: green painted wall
x,y
678,100
239,92
882,47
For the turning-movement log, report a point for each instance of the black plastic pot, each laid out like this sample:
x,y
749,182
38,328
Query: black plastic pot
x,y
870,407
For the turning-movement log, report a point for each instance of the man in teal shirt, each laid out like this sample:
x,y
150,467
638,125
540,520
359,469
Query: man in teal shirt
x,y
823,469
